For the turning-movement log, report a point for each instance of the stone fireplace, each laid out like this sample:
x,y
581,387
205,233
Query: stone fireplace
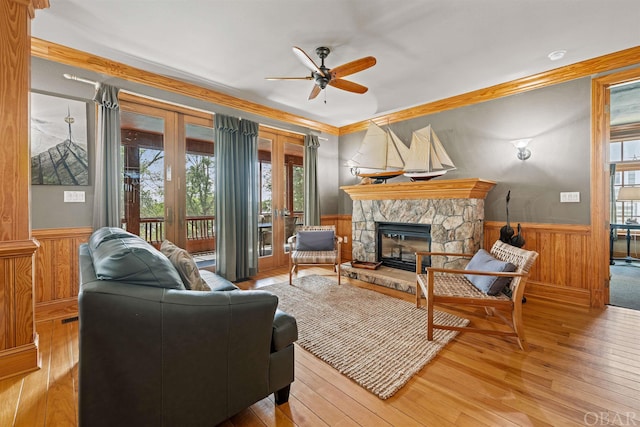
x,y
453,209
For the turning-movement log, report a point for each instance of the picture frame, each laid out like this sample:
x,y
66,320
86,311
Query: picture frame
x,y
58,141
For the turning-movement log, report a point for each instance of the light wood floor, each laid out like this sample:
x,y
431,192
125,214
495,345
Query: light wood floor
x,y
583,368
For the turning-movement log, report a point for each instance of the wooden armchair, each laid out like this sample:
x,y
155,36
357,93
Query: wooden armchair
x,y
323,248
450,286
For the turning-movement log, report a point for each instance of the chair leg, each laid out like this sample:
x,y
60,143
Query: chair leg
x,y
291,267
338,269
429,297
518,326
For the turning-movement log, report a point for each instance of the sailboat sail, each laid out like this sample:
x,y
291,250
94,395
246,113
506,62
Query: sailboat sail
x,y
381,150
427,157
372,153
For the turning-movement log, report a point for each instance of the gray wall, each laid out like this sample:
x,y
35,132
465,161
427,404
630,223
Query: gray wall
x,y
477,138
47,207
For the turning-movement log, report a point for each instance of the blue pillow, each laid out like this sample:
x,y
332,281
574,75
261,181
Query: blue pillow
x,y
483,261
315,240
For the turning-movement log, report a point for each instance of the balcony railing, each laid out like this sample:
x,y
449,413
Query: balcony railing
x,y
200,232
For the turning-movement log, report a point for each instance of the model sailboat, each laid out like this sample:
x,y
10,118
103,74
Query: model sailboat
x,y
426,157
380,150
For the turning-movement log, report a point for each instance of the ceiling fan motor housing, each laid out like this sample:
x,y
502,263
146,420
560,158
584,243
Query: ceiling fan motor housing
x,y
321,80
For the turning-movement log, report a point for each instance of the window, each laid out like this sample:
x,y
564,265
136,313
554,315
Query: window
x,y
625,154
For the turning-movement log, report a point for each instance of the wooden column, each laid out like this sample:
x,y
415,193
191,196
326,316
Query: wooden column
x,y
18,337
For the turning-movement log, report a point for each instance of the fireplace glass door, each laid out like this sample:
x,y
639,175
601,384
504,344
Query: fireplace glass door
x,y
397,244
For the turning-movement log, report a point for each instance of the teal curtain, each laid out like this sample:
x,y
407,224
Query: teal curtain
x,y
613,214
311,196
236,197
106,211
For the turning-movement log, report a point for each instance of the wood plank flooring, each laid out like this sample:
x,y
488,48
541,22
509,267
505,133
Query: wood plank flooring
x,y
583,368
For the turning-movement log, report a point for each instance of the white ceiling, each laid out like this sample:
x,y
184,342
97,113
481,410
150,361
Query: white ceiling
x,y
426,50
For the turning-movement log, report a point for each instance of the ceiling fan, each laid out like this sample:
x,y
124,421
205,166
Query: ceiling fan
x,y
324,76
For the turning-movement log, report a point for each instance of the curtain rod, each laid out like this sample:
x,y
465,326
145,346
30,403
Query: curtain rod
x,y
80,79
97,85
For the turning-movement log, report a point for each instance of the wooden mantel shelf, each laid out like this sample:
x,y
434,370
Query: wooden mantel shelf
x,y
467,188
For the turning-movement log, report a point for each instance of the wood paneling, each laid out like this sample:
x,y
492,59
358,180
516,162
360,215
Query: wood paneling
x,y
343,229
57,280
563,271
18,338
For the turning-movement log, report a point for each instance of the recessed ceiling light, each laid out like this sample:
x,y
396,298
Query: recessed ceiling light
x,y
557,54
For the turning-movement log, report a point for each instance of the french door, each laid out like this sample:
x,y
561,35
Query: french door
x,y
167,154
281,205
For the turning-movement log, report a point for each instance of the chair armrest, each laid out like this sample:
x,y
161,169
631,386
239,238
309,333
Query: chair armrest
x,y
285,330
339,239
445,254
291,239
421,254
476,272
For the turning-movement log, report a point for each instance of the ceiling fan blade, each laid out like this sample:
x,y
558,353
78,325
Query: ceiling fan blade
x,y
308,62
348,86
314,92
352,67
289,78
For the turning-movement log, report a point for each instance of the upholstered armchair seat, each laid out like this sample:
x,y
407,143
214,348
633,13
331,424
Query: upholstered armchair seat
x,y
306,249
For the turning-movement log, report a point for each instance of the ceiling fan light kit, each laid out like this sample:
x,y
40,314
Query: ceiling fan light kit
x,y
323,76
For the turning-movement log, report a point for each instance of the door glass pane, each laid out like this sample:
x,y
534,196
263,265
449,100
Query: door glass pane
x,y
294,189
200,193
631,150
265,217
142,156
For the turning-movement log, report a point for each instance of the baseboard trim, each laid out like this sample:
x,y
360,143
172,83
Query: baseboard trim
x,y
58,309
563,294
20,360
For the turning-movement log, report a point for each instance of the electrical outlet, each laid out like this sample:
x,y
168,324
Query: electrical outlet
x,y
345,239
570,197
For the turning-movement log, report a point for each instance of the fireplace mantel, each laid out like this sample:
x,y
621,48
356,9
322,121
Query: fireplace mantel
x,y
467,188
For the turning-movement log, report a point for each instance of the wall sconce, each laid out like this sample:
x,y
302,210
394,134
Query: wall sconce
x,y
353,167
521,144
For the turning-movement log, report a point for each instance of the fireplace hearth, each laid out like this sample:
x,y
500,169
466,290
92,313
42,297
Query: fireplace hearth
x,y
397,244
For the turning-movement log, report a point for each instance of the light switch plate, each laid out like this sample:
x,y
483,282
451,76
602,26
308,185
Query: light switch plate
x,y
570,197
74,196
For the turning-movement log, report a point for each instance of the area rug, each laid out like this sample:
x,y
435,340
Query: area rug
x,y
376,340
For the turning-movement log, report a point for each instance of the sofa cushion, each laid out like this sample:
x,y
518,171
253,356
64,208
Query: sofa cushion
x,y
186,266
108,233
322,240
483,261
216,282
134,261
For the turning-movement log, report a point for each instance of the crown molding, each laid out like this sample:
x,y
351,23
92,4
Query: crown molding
x,y
600,64
76,58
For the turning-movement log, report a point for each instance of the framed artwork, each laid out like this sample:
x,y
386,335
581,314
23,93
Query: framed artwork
x,y
58,141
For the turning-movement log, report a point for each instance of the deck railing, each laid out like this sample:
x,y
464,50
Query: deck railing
x,y
200,232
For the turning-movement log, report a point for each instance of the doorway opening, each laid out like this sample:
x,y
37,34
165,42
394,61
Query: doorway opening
x,y
624,194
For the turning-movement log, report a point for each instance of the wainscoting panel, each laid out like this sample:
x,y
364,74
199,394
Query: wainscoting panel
x,y
56,271
561,272
343,228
